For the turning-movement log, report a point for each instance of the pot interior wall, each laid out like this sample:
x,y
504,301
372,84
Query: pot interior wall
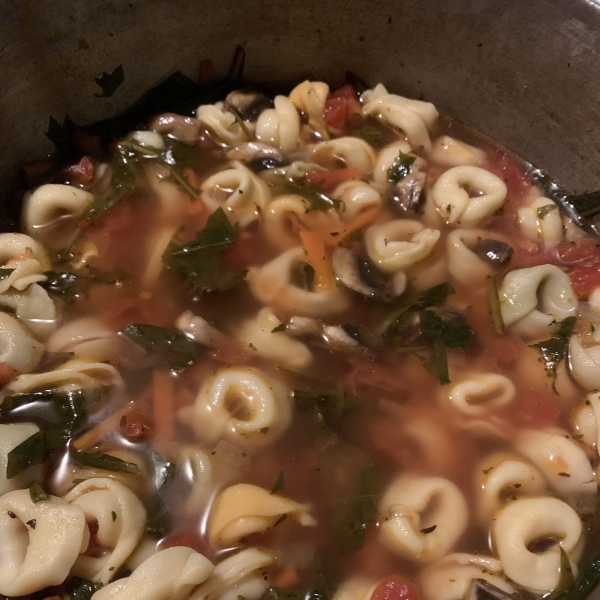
x,y
528,73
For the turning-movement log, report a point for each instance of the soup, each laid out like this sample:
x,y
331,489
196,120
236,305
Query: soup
x,y
326,345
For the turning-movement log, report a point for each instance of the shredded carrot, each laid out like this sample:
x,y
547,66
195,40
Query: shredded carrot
x,y
164,408
362,219
96,434
317,257
286,578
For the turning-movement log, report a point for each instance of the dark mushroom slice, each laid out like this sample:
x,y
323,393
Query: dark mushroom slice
x,y
257,156
494,252
248,103
345,338
480,589
407,195
299,326
183,129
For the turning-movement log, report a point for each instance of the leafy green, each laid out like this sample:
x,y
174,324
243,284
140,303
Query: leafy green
x,y
37,493
105,461
400,167
318,199
354,515
109,82
494,301
553,350
170,346
69,286
438,362
329,409
279,328
452,335
35,450
199,261
586,580
279,484
5,273
542,211
82,589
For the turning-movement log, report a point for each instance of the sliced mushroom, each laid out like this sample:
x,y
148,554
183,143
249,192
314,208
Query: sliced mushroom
x,y
481,589
248,103
345,338
257,156
407,194
184,129
494,252
298,326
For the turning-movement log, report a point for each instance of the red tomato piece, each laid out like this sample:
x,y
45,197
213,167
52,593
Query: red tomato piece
x,y
7,374
512,173
584,250
136,426
538,410
522,260
82,173
585,278
329,180
340,106
395,588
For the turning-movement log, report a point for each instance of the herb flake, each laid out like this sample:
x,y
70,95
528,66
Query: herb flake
x,y
105,462
37,493
279,484
400,168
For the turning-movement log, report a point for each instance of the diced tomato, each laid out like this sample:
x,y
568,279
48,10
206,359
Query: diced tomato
x,y
340,106
581,251
117,220
7,374
329,180
243,252
136,426
395,588
538,410
512,173
82,173
585,278
522,259
189,539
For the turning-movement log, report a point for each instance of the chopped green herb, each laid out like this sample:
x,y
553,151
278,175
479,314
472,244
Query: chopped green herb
x,y
69,286
554,349
400,167
240,122
586,580
563,474
35,450
109,82
5,273
438,362
318,199
264,430
429,529
252,347
105,462
370,134
199,260
542,211
432,326
280,327
494,301
113,515
170,346
487,471
281,519
279,484
567,578
37,493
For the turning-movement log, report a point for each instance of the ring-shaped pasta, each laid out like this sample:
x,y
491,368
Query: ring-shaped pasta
x,y
120,517
244,509
26,257
385,159
170,574
356,153
405,531
400,244
272,284
46,208
40,542
413,117
356,196
540,220
450,577
501,477
238,191
241,405
584,363
452,195
563,463
18,348
11,435
310,97
222,124
481,393
279,126
197,466
519,524
532,299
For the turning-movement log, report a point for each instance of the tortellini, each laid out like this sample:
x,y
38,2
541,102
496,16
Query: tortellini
x,y
406,531
355,153
466,195
400,244
356,196
120,517
273,285
241,194
28,531
170,574
18,348
279,126
309,97
480,393
27,259
587,420
385,159
243,509
526,520
414,118
242,405
50,212
450,577
532,299
584,363
222,123
11,435
540,220
450,152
